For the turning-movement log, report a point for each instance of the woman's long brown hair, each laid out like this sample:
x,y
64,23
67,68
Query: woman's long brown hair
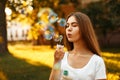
x,y
87,33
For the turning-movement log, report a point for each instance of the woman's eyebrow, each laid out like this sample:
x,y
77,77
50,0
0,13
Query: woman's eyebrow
x,y
73,23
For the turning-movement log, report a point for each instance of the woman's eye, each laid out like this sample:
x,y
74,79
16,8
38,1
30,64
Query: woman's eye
x,y
74,25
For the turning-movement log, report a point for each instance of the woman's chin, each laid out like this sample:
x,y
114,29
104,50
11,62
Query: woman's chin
x,y
70,40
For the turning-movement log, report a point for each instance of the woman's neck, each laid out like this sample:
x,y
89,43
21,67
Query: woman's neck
x,y
80,48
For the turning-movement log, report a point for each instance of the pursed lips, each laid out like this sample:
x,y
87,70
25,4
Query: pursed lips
x,y
69,35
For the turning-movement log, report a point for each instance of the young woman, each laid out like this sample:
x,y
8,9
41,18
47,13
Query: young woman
x,y
82,60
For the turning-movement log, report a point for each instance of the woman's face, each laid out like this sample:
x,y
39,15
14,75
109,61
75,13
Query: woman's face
x,y
72,30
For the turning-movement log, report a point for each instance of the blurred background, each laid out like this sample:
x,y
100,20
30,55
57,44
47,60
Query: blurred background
x,y
30,29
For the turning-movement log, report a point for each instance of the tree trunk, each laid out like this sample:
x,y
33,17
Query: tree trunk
x,y
3,30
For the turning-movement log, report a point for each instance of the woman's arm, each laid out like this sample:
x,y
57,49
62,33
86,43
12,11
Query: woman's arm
x,y
52,74
55,72
58,55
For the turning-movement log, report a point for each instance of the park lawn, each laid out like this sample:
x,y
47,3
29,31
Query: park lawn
x,y
26,62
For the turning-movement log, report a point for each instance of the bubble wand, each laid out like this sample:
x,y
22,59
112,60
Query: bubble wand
x,y
60,41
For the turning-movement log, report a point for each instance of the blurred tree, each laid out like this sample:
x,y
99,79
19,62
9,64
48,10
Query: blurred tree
x,y
19,7
3,32
105,17
114,11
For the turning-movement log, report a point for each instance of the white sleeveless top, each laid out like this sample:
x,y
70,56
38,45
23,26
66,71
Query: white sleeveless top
x,y
94,69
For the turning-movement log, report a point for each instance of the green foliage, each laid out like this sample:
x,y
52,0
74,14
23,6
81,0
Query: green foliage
x,y
114,11
104,14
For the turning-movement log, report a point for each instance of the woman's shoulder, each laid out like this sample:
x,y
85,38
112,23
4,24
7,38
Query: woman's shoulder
x,y
98,59
97,56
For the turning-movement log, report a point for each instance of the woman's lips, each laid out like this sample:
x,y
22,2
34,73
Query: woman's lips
x,y
69,35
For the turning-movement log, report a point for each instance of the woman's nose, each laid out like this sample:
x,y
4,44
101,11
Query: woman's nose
x,y
69,28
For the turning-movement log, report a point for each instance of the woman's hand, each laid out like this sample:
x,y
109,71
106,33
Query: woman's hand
x,y
59,53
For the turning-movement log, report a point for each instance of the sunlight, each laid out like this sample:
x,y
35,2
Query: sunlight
x,y
33,55
110,61
108,54
113,76
8,11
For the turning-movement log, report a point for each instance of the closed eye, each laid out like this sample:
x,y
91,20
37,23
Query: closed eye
x,y
73,24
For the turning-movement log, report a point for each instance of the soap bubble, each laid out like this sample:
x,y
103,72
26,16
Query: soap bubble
x,y
52,17
49,32
48,35
62,22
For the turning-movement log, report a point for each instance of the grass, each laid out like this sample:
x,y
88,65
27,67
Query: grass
x,y
26,62
112,60
17,69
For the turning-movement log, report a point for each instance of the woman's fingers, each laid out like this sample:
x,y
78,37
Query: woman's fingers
x,y
59,53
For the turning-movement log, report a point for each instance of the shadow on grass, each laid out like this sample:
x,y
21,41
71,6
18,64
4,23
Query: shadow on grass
x,y
111,50
12,68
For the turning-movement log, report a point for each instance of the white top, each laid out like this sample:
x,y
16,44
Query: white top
x,y
94,69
